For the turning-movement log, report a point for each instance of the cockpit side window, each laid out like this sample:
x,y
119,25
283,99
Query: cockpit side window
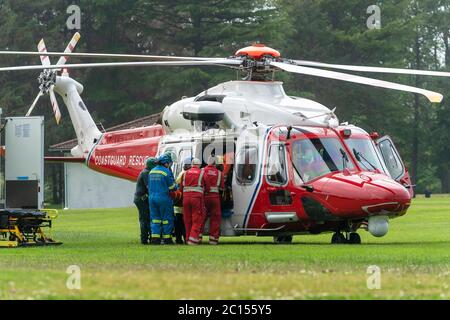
x,y
392,159
365,153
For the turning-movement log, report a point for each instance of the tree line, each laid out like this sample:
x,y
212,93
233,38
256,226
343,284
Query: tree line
x,y
412,34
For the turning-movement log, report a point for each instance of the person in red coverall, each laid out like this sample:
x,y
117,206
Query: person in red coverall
x,y
215,182
194,186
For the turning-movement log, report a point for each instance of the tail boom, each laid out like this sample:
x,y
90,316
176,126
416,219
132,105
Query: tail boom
x,y
85,128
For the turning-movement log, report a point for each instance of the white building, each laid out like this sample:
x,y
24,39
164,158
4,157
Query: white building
x,y
85,188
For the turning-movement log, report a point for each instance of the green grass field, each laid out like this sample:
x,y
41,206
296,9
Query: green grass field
x,y
414,259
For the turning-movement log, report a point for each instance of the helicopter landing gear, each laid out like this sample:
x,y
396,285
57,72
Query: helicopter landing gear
x,y
338,238
350,238
354,238
283,239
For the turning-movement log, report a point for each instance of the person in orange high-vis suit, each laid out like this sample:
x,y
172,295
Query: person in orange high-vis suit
x,y
215,182
194,186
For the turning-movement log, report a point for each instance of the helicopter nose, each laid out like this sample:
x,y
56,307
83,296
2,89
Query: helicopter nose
x,y
364,194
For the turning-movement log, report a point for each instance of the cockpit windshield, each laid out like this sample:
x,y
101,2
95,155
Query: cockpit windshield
x,y
364,152
315,157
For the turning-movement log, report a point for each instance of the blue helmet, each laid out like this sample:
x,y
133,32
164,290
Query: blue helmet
x,y
165,159
187,161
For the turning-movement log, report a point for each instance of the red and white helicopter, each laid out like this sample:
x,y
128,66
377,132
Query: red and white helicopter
x,y
292,167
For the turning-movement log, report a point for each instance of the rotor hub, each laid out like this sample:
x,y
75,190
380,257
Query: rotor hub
x,y
258,51
46,80
256,61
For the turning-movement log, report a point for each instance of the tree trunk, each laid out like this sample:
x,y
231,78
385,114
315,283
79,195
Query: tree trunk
x,y
444,176
416,116
198,42
447,48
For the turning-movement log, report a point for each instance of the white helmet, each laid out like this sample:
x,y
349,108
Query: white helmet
x,y
196,162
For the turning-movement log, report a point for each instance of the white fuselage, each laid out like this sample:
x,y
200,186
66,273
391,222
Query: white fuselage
x,y
247,102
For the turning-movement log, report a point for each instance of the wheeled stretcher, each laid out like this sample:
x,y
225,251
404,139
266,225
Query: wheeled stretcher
x,y
24,227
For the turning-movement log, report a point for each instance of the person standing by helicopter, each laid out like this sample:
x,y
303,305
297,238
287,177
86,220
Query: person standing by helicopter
x,y
180,230
194,186
141,200
161,183
215,182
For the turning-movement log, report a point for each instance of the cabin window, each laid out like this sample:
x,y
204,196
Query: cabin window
x,y
221,149
276,165
246,162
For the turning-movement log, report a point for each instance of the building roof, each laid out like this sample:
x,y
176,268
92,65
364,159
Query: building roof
x,y
138,123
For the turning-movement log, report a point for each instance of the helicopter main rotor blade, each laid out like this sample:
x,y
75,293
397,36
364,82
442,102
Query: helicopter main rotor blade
x,y
70,47
55,106
372,69
432,96
221,62
45,60
108,55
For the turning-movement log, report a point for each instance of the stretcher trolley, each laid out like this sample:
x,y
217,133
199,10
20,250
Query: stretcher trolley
x,y
25,227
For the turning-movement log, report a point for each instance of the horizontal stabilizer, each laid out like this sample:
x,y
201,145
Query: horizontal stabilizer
x,y
64,159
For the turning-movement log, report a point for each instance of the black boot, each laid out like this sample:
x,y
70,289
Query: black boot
x,y
156,241
168,241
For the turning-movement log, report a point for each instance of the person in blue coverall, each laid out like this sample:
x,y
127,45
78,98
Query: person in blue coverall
x,y
160,183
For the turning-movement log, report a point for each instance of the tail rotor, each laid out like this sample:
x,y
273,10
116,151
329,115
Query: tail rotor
x,y
47,78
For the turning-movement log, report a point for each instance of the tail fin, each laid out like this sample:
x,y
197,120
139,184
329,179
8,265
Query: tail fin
x,y
85,128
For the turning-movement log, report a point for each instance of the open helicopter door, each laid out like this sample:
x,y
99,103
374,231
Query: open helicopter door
x,y
218,143
394,163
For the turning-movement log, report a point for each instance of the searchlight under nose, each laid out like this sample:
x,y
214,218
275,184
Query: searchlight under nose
x,y
378,225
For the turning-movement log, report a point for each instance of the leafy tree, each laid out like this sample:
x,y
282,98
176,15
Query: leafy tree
x,y
414,34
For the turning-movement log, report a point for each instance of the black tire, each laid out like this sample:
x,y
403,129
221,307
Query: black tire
x,y
355,238
338,238
283,239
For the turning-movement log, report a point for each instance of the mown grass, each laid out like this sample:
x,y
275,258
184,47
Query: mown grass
x,y
414,259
